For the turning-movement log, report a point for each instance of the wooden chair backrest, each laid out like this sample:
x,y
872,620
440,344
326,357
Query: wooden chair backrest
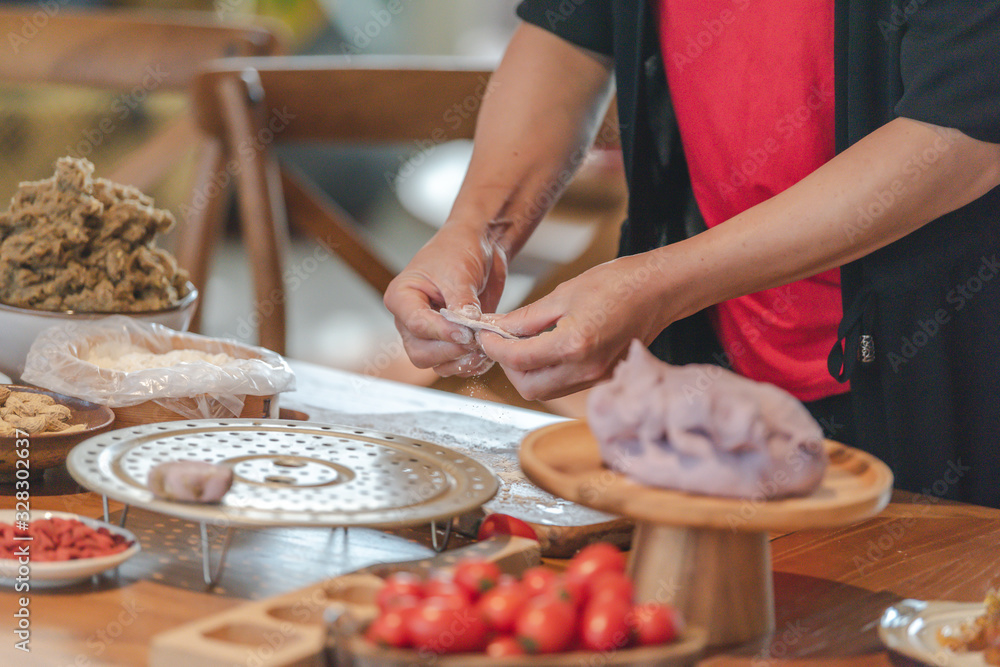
x,y
371,99
120,49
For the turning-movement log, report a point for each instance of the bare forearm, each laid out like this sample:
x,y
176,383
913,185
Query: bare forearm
x,y
542,110
894,181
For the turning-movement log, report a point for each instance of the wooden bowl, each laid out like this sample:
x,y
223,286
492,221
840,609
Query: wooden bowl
x,y
48,450
150,412
255,407
686,650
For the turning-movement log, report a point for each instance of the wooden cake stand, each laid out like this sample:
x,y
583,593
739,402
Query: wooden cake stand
x,y
708,556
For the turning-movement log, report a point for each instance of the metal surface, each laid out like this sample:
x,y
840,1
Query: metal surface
x,y
290,473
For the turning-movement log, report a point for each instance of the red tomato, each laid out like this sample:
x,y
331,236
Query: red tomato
x,y
476,575
605,585
500,605
655,623
595,558
399,602
537,579
604,626
546,625
571,589
503,524
397,584
446,589
503,647
389,629
432,626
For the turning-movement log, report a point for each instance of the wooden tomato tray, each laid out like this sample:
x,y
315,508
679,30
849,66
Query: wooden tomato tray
x,y
290,629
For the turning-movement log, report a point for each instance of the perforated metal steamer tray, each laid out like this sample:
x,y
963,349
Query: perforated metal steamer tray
x,y
289,473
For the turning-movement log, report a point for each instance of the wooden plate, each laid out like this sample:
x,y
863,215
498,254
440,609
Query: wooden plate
x,y
48,450
564,460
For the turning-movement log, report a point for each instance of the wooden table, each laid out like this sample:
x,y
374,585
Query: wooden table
x,y
830,586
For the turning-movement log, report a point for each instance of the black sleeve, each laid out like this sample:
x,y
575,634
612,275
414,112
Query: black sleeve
x,y
586,23
948,60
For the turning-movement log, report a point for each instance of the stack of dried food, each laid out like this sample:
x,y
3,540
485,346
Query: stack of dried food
x,y
73,242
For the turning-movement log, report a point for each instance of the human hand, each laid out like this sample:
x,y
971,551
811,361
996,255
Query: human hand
x,y
581,330
459,269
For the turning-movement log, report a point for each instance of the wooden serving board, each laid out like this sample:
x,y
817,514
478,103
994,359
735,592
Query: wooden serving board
x,y
290,630
708,556
564,459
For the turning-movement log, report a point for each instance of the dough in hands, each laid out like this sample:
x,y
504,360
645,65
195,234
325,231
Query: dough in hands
x,y
475,325
705,430
190,481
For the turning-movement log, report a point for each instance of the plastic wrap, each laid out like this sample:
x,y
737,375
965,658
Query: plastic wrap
x,y
193,389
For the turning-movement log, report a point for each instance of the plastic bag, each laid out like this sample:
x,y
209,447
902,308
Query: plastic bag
x,y
194,389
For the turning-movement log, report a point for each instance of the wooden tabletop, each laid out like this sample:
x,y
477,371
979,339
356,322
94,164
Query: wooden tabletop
x,y
831,586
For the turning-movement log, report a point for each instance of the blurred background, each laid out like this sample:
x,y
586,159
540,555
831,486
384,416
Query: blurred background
x,y
340,326
399,194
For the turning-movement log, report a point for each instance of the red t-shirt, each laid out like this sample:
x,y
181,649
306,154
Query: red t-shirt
x,y
752,87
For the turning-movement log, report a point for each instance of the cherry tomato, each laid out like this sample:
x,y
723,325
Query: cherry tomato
x,y
399,602
605,626
503,647
436,627
595,558
503,524
444,588
655,623
546,625
476,575
537,579
501,605
572,589
389,629
397,584
605,585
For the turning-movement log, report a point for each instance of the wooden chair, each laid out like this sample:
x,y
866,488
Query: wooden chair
x,y
121,50
325,99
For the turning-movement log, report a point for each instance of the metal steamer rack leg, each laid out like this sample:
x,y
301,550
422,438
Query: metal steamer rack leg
x,y
441,545
211,576
107,512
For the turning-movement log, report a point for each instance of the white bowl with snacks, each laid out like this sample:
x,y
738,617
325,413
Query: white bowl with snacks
x,y
75,248
49,574
22,325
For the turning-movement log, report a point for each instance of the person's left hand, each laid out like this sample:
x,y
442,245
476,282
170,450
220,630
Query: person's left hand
x,y
582,329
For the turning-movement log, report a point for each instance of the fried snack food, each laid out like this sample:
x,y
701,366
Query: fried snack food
x,y
33,413
73,242
704,430
980,634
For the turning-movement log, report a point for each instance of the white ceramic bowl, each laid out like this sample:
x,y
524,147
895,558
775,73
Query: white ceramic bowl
x,y
20,326
63,573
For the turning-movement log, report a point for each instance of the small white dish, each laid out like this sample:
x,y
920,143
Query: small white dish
x,y
64,573
910,627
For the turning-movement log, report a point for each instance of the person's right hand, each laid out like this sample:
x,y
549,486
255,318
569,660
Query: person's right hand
x,y
463,269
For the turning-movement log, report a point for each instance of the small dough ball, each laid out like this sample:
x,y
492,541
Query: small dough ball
x,y
190,481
